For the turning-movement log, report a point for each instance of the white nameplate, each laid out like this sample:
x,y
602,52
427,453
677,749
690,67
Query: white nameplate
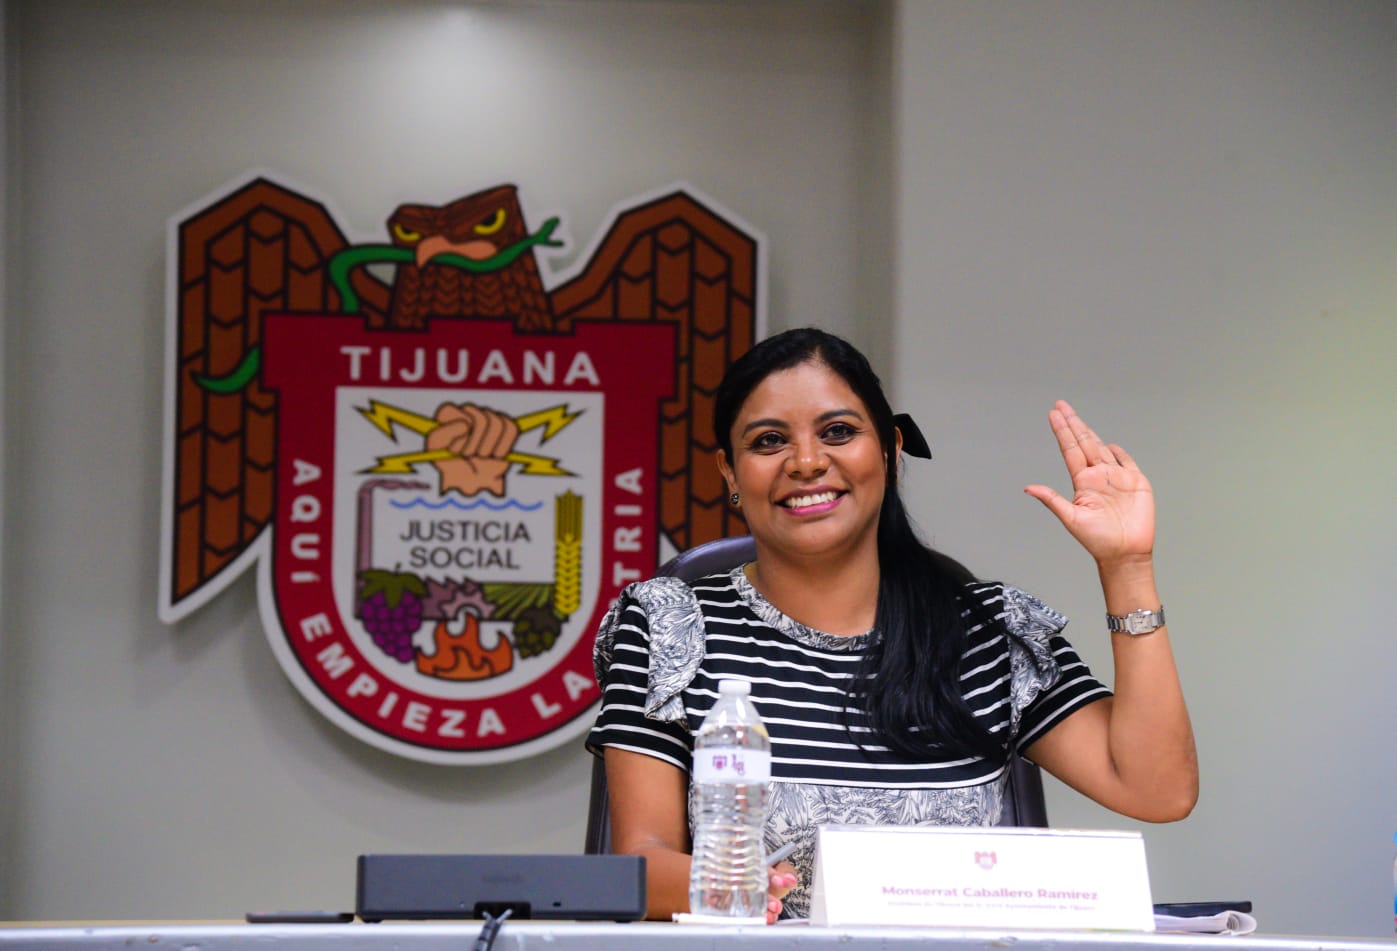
x,y
980,877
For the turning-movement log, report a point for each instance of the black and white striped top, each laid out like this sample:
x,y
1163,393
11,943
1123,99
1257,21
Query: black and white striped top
x,y
663,648
659,666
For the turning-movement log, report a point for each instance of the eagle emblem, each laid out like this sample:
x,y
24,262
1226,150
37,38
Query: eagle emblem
x,y
444,465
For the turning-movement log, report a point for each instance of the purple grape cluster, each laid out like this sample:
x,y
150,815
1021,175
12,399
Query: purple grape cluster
x,y
390,605
392,627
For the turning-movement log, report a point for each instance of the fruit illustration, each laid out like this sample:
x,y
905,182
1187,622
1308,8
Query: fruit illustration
x,y
390,605
535,631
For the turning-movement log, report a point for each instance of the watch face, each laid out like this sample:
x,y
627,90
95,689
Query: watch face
x,y
1141,622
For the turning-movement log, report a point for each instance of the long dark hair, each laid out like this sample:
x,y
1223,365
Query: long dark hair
x,y
909,682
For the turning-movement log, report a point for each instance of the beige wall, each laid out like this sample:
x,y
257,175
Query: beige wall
x,y
174,771
7,216
1182,216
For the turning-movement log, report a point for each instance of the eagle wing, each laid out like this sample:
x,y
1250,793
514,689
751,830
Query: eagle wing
x,y
261,249
671,259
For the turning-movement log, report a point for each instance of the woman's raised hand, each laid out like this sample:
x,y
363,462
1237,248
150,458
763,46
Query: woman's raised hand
x,y
1111,512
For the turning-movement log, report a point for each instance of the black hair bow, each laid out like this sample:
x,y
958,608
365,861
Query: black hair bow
x,y
913,442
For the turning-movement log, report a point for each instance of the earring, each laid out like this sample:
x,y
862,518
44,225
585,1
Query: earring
x,y
736,500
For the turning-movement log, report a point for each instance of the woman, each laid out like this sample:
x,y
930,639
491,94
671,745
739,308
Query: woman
x,y
894,684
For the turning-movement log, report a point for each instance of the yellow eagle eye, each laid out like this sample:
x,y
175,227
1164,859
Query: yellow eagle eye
x,y
492,224
403,234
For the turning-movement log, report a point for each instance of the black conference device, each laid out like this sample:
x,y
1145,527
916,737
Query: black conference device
x,y
571,887
1200,909
299,917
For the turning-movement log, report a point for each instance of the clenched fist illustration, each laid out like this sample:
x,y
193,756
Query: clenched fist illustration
x,y
479,439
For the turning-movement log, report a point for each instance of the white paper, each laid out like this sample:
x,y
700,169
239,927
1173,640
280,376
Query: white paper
x,y
1224,922
684,918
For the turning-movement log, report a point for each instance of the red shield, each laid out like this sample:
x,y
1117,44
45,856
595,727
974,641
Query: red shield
x,y
434,605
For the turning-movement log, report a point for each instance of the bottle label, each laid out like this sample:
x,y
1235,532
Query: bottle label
x,y
732,764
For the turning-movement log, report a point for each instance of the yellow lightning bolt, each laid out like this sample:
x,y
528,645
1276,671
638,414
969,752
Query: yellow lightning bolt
x,y
555,419
383,416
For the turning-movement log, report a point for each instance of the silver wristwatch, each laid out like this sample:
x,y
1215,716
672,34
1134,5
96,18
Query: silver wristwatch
x,y
1136,622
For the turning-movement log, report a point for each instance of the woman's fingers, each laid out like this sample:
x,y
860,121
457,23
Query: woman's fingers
x,y
1124,458
1094,450
1053,500
780,878
1067,441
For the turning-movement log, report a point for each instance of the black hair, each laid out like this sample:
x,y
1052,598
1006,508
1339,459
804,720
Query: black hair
x,y
909,682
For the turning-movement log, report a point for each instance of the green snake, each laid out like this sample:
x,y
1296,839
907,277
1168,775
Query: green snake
x,y
346,260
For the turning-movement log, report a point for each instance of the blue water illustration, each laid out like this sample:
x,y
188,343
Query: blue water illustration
x,y
453,502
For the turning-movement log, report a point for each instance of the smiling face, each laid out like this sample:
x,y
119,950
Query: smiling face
x,y
807,464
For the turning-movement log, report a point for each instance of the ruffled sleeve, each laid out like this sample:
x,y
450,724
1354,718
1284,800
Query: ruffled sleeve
x,y
648,649
676,636
1049,680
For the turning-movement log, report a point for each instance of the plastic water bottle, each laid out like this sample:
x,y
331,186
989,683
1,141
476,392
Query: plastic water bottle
x,y
732,767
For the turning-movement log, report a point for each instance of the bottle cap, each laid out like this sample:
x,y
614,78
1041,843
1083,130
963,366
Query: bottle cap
x,y
729,687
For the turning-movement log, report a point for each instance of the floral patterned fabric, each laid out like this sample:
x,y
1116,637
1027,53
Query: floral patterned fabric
x,y
662,648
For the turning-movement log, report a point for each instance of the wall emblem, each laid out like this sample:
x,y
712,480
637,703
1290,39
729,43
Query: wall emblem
x,y
444,469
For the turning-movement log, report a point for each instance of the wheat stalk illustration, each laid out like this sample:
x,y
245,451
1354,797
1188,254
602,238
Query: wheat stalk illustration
x,y
567,553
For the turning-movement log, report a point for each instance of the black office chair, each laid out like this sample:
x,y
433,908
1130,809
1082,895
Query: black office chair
x,y
1024,804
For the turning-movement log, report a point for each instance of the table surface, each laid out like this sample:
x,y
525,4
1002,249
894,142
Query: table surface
x,y
610,936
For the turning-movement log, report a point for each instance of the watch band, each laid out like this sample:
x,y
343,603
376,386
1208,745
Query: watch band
x,y
1136,622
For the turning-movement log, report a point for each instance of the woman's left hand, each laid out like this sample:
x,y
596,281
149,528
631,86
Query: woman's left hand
x,y
781,878
1111,512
